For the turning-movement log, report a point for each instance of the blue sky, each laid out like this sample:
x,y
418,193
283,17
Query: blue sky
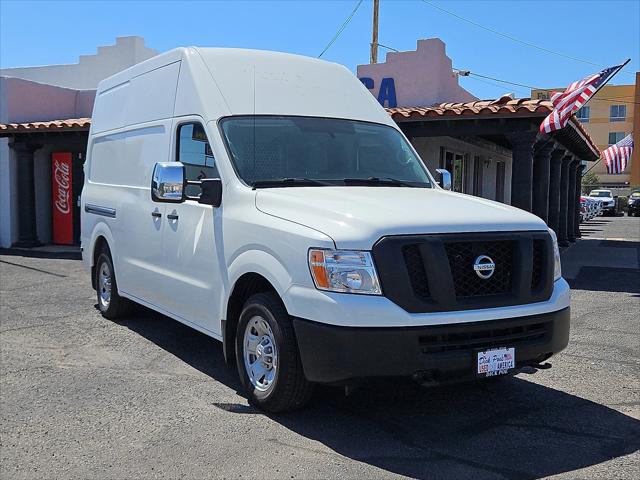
x,y
602,32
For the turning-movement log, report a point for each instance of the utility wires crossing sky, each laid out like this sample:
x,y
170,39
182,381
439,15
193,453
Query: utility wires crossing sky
x,y
341,29
514,39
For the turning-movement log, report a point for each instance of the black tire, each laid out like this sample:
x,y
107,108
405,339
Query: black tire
x,y
116,306
289,389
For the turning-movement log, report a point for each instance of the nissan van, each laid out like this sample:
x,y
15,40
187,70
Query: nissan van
x,y
268,201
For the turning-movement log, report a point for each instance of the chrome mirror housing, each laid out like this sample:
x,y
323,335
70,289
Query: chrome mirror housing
x,y
444,178
167,182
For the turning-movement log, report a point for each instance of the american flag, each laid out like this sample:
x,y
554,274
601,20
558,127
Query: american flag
x,y
575,96
617,156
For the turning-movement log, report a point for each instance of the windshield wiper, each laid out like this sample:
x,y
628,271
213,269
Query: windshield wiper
x,y
380,181
290,182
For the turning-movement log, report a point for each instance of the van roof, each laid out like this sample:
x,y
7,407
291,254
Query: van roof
x,y
233,81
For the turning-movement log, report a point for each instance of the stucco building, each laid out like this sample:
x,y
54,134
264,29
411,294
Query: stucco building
x,y
42,94
491,147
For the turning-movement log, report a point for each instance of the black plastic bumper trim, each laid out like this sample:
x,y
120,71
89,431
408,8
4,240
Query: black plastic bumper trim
x,y
334,354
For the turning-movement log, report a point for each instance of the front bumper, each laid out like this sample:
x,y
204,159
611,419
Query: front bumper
x,y
335,354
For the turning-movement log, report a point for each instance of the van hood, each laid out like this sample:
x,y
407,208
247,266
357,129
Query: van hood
x,y
356,217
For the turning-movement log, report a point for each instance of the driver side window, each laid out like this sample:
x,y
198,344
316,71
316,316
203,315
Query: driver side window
x,y
194,151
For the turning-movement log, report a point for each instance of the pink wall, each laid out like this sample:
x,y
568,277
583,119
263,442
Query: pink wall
x,y
27,101
422,77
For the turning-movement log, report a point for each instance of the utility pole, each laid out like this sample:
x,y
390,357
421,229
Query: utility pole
x,y
374,40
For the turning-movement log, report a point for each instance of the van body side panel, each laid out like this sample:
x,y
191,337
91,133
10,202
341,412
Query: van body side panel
x,y
108,111
152,95
131,133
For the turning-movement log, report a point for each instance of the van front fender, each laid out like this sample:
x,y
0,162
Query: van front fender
x,y
262,263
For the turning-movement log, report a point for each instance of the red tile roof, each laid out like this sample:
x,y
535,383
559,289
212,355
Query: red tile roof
x,y
48,126
503,106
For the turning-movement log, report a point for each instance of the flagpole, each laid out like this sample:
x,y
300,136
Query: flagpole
x,y
608,79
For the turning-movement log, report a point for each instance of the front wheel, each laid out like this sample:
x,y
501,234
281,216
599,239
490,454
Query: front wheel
x,y
267,356
110,303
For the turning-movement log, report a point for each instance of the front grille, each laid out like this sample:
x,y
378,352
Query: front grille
x,y
482,339
435,273
465,280
538,264
417,273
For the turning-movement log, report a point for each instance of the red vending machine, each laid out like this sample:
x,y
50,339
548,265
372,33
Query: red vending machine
x,y
66,184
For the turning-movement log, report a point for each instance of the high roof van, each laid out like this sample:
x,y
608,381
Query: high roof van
x,y
268,201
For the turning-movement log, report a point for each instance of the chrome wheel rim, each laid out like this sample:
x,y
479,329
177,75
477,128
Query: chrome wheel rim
x,y
104,284
260,354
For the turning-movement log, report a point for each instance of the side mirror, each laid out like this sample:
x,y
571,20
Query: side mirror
x,y
167,182
444,178
211,192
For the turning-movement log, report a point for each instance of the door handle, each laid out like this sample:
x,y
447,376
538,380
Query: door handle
x,y
156,214
172,216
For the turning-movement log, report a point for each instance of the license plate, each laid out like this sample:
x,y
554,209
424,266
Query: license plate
x,y
497,361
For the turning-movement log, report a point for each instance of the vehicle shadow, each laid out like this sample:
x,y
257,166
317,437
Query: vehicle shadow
x,y
607,279
501,428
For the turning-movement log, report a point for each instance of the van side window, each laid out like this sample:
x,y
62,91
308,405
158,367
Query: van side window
x,y
195,153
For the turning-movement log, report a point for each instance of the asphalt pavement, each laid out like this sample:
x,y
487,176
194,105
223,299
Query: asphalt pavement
x,y
146,397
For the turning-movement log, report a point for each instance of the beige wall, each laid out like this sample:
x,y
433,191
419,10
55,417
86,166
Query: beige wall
x,y
599,125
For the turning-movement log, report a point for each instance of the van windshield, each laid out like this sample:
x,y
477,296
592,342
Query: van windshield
x,y
278,151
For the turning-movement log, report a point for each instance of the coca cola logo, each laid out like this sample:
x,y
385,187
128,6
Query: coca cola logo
x,y
61,175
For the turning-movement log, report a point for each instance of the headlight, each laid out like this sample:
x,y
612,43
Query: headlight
x,y
557,268
347,271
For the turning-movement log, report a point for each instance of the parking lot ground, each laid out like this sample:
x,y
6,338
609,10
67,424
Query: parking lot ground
x,y
84,397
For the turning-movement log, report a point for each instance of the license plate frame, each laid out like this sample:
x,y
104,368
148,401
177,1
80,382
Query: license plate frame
x,y
495,361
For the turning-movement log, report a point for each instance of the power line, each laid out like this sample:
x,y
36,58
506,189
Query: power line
x,y
465,73
514,39
388,48
341,29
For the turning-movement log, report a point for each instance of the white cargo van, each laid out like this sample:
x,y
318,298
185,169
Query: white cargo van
x,y
268,201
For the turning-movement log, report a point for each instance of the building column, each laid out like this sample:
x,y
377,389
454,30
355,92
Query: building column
x,y
576,226
522,168
27,234
563,238
554,189
541,171
571,201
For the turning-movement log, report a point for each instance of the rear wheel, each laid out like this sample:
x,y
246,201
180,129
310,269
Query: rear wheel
x,y
110,303
267,356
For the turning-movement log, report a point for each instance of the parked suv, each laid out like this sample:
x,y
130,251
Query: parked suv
x,y
609,202
267,200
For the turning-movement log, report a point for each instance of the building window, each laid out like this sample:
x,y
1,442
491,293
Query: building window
x,y
583,114
615,137
618,113
455,164
195,153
